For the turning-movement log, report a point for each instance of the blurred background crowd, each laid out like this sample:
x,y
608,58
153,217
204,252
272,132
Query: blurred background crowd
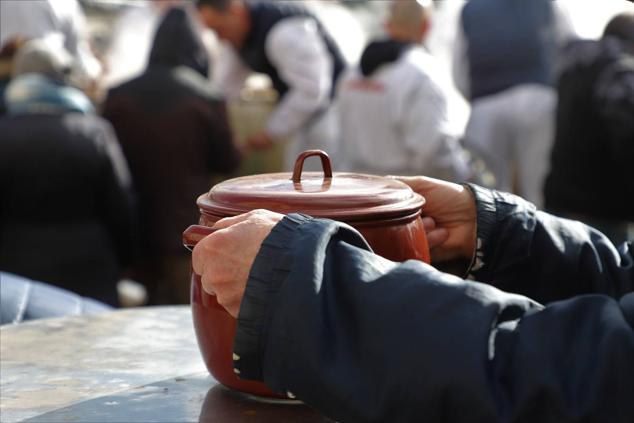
x,y
115,115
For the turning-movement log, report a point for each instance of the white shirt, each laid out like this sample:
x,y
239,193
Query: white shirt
x,y
403,119
297,51
42,18
129,49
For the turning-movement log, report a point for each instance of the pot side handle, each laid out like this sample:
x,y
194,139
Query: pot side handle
x,y
194,234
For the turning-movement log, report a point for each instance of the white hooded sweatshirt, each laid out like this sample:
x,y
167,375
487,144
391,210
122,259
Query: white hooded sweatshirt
x,y
403,118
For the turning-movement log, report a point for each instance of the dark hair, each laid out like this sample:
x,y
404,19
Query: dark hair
x,y
10,48
219,5
622,27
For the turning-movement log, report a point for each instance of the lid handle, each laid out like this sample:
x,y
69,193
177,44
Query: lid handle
x,y
299,164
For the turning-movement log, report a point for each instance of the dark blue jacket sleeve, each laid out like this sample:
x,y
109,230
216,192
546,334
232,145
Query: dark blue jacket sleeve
x,y
363,339
543,257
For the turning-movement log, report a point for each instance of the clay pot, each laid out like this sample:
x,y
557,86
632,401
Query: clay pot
x,y
385,211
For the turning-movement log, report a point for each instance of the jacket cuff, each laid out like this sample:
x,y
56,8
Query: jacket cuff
x,y
266,278
486,232
505,224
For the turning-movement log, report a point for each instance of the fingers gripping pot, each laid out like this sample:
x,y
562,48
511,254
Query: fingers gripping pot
x,y
385,211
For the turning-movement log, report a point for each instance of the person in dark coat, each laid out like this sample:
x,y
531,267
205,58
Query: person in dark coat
x,y
175,134
66,208
363,339
592,177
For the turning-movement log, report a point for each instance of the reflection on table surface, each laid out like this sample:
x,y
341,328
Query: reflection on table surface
x,y
133,365
193,398
224,405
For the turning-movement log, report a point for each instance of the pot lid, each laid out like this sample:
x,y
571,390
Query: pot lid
x,y
341,196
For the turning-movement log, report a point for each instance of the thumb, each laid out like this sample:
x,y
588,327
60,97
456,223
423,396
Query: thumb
x,y
425,184
233,220
404,179
420,184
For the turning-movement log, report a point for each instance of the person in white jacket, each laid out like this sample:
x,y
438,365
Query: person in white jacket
x,y
399,113
289,44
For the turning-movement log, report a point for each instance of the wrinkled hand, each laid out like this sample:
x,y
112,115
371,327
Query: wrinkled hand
x,y
449,217
260,141
224,258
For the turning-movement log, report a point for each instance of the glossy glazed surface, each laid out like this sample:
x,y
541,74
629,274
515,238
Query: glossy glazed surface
x,y
398,240
385,211
346,196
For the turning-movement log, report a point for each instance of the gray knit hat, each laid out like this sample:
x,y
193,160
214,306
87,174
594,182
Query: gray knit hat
x,y
45,56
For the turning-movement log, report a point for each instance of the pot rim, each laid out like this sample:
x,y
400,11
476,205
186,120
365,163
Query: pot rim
x,y
344,196
384,212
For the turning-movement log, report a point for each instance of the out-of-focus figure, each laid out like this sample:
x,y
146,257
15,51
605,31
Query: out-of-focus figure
x,y
290,45
44,18
127,53
174,131
592,171
399,113
7,53
23,299
506,55
66,210
344,24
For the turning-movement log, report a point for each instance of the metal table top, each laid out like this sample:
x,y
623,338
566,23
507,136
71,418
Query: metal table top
x,y
132,365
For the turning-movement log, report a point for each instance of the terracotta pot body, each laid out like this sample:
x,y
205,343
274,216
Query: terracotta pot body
x,y
392,227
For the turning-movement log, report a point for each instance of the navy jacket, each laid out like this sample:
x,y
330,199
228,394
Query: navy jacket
x,y
510,42
363,339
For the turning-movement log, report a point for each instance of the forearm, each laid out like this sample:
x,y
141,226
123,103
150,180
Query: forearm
x,y
302,61
546,258
295,110
230,74
364,339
